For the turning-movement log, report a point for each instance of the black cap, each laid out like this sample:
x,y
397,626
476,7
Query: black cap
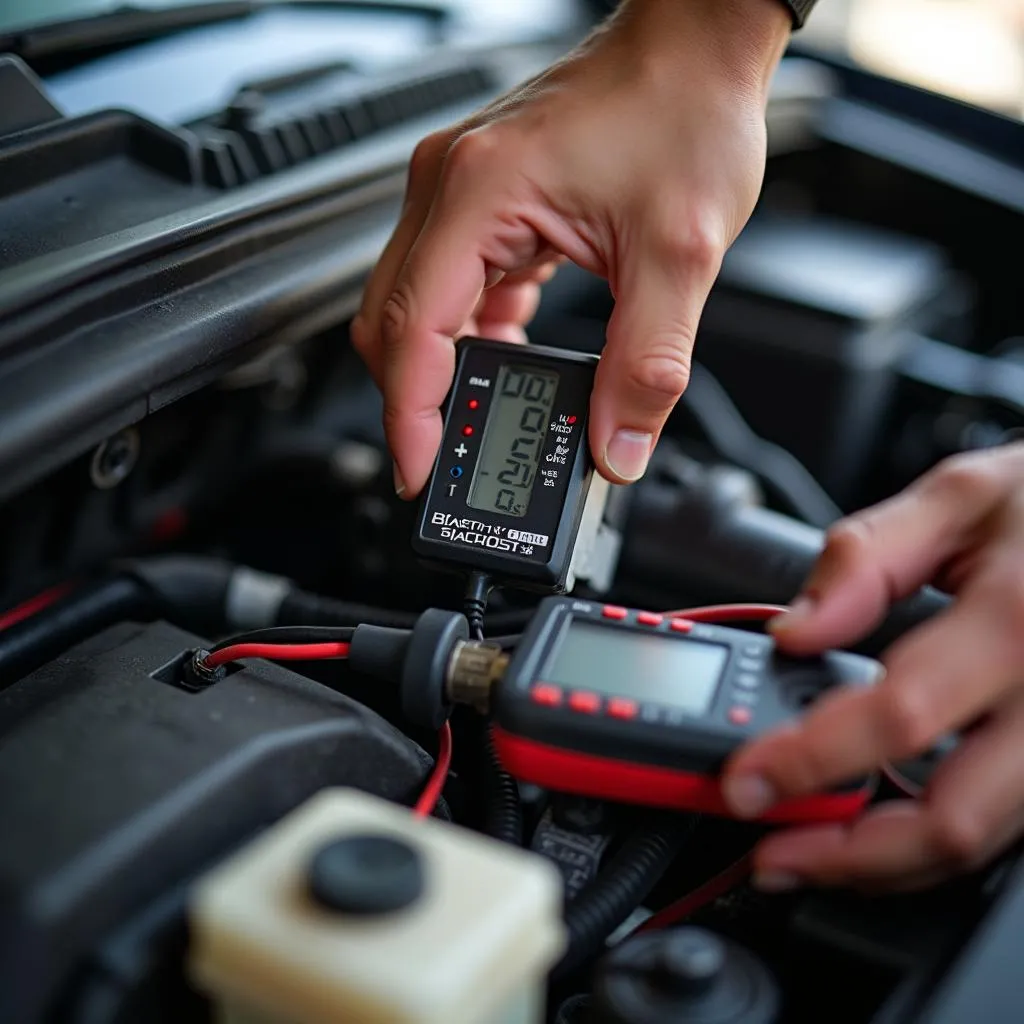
x,y
684,974
688,961
366,874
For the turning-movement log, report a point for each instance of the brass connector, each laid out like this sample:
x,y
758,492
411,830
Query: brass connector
x,y
474,668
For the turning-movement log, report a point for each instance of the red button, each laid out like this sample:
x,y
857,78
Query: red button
x,y
474,404
611,611
619,707
650,619
588,703
467,430
549,696
739,715
682,625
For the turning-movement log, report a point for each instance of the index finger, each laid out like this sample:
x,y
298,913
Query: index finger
x,y
434,297
474,231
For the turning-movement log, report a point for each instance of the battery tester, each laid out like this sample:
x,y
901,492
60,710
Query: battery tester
x,y
513,492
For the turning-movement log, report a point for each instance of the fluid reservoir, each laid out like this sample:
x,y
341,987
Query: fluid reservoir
x,y
353,910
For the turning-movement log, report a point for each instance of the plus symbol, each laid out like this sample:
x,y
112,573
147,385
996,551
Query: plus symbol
x,y
461,450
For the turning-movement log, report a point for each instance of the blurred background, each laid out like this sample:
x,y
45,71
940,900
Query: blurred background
x,y
972,50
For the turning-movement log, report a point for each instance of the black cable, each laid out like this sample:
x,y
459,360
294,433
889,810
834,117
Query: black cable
x,y
301,608
732,438
503,816
290,635
478,590
621,887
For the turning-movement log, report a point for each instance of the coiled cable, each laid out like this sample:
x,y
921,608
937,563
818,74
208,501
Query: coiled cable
x,y
622,886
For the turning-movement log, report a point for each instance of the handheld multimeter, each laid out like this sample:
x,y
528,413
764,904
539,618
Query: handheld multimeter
x,y
641,708
513,492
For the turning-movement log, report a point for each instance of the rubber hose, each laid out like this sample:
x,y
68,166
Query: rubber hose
x,y
82,614
739,552
621,887
503,816
301,608
190,590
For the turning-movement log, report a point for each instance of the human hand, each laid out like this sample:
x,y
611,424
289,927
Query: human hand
x,y
961,526
640,158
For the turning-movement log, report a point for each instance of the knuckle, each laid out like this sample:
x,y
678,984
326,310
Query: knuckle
x,y
390,418
395,318
848,545
429,153
970,479
696,250
847,539
684,240
661,373
907,720
960,837
359,335
472,152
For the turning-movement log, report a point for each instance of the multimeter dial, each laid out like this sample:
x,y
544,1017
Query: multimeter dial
x,y
513,473
644,708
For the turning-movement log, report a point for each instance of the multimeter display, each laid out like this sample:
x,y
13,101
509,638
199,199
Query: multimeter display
x,y
513,438
513,474
637,666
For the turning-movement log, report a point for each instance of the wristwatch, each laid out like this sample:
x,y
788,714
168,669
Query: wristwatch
x,y
799,9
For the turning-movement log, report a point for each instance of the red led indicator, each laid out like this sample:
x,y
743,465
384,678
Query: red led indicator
x,y
571,419
474,404
467,431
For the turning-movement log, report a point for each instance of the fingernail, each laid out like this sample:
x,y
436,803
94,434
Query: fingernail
x,y
748,795
628,452
776,881
799,610
399,482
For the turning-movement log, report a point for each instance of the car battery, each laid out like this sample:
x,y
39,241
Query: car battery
x,y
807,326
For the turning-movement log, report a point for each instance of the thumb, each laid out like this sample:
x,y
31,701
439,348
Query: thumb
x,y
646,362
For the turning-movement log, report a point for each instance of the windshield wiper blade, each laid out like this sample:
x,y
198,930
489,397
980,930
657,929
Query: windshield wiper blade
x,y
127,25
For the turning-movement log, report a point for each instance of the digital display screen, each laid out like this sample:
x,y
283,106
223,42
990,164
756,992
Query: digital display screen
x,y
512,441
678,673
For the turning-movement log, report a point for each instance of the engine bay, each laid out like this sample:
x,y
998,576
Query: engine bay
x,y
192,452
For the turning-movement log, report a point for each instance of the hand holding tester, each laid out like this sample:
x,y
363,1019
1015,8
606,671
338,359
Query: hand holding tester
x,y
640,708
513,492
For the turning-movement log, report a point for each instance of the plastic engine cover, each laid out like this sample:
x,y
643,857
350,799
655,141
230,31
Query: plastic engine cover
x,y
115,787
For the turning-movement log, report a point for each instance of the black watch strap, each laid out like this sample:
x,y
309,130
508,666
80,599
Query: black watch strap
x,y
799,9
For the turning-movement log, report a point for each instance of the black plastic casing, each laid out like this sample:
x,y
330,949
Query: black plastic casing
x,y
117,786
450,534
660,734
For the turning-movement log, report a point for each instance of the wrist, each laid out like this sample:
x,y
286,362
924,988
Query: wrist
x,y
742,40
